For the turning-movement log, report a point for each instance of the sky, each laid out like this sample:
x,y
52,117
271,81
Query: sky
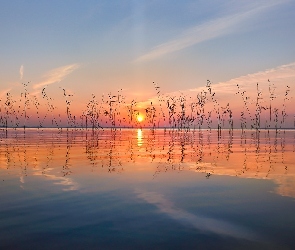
x,y
99,47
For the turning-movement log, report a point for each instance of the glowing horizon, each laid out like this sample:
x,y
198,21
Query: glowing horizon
x,y
256,99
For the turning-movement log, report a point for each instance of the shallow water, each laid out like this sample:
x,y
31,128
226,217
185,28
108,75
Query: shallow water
x,y
143,189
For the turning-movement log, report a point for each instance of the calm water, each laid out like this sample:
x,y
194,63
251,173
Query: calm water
x,y
139,189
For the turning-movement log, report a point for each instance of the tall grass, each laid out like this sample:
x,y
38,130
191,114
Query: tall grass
x,y
182,112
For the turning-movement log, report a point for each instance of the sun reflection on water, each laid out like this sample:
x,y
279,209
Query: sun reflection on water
x,y
139,137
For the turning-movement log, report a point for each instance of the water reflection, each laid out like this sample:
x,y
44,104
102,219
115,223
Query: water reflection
x,y
199,222
60,153
147,188
139,137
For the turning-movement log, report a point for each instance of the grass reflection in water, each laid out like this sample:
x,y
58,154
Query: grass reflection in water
x,y
131,188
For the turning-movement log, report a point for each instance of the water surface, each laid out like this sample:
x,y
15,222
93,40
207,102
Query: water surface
x,y
133,188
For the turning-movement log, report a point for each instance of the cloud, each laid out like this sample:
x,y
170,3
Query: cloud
x,y
201,223
281,76
21,72
206,31
56,75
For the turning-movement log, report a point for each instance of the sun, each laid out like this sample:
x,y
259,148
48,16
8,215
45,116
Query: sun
x,y
139,118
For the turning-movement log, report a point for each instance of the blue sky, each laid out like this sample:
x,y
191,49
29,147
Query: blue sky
x,y
101,46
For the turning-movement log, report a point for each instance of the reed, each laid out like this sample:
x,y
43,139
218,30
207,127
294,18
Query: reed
x,y
182,112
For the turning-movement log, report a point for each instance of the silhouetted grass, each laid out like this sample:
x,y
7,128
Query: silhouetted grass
x,y
182,112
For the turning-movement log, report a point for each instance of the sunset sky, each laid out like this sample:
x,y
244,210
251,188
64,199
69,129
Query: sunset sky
x,y
95,47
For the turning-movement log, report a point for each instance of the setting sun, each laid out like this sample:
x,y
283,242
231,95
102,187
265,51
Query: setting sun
x,y
139,118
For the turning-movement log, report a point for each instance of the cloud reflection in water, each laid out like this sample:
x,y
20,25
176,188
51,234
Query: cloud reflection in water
x,y
201,223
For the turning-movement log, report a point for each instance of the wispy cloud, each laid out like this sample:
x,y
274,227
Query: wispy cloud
x,y
56,75
206,31
21,72
284,74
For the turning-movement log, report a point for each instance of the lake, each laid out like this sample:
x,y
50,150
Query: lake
x,y
147,189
